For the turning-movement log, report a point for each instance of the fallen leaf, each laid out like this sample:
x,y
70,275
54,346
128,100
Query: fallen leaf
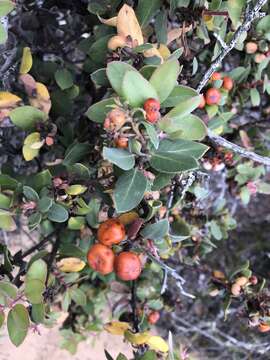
x,y
70,264
116,327
128,25
27,61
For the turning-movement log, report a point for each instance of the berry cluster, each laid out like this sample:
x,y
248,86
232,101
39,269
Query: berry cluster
x,y
213,95
101,258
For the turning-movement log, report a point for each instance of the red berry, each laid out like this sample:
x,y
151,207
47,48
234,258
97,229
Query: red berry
x,y
49,141
152,116
212,96
227,83
151,105
216,76
202,103
153,317
121,142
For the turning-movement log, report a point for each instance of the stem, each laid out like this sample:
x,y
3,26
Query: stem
x,y
215,13
134,307
238,149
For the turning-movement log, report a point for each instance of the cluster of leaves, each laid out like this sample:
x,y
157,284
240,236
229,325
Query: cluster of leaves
x,y
151,185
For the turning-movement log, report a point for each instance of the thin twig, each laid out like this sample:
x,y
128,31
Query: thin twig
x,y
133,303
250,16
238,149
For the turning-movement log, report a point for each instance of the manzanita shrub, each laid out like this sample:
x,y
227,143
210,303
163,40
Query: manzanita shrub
x,y
116,150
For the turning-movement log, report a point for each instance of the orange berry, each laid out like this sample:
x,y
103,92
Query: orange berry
x,y
151,105
121,142
216,76
227,83
202,103
152,116
111,232
251,47
212,96
263,328
153,317
101,259
127,266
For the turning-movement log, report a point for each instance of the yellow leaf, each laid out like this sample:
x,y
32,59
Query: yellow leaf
x,y
128,25
116,327
76,189
8,100
116,42
30,153
27,61
164,51
176,33
111,22
138,338
158,344
42,99
32,138
153,52
128,217
70,264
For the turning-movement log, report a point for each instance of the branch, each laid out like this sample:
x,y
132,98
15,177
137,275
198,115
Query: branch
x,y
238,149
250,16
133,303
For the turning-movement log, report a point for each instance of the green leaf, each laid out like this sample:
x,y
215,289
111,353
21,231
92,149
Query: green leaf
x,y
63,78
58,213
93,214
34,220
26,116
76,222
156,231
152,133
38,313
161,26
161,181
37,271
263,188
179,112
121,158
187,128
235,9
30,194
179,94
136,89
129,190
5,7
169,70
41,180
78,296
146,9
149,355
215,230
3,34
115,72
170,163
6,222
7,182
183,147
98,50
5,201
264,25
121,357
44,204
99,77
17,324
75,153
7,289
34,290
179,230
255,97
2,318
98,111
